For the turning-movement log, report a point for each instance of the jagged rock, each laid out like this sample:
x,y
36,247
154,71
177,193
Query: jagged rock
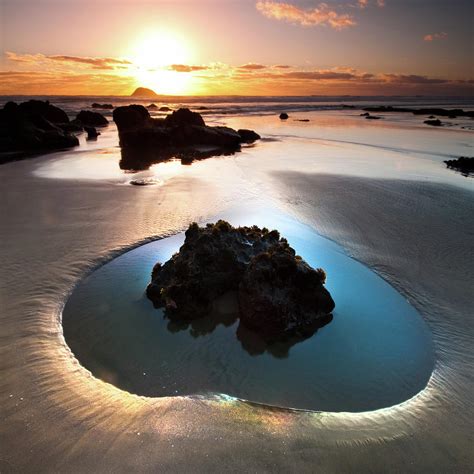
x,y
283,116
279,294
164,108
183,134
33,126
372,117
91,119
152,107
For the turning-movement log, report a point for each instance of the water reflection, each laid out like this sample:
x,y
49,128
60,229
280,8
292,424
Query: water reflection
x,y
226,313
143,159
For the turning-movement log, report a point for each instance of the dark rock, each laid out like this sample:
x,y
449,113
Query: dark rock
x,y
164,108
302,120
463,164
43,109
279,294
144,92
248,136
74,126
431,117
152,107
95,105
182,134
131,117
91,119
387,108
434,123
92,133
184,117
32,127
365,114
283,116
372,117
426,111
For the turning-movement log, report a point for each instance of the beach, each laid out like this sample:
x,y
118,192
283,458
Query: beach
x,y
379,190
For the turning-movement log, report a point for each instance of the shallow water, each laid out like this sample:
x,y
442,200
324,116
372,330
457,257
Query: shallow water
x,y
376,352
409,220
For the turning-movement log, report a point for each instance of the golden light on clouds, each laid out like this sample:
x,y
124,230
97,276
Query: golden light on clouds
x,y
151,56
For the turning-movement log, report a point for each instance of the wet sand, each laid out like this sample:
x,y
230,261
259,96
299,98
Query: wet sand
x,y
55,416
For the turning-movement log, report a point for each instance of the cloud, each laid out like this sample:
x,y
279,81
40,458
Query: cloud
x,y
363,3
321,15
381,3
412,79
186,68
23,58
436,36
94,63
63,83
282,66
252,67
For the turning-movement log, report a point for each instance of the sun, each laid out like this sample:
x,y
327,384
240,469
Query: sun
x,y
152,55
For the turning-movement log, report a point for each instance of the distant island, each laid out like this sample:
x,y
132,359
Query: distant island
x,y
144,92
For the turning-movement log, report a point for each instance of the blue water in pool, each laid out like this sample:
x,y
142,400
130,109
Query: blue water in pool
x,y
376,352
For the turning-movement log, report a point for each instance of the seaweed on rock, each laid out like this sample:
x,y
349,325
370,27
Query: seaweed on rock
x,y
279,294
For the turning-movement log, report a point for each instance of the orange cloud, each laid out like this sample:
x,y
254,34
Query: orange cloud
x,y
321,15
94,63
252,67
186,68
436,36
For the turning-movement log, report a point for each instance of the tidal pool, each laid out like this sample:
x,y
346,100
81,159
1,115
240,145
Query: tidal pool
x,y
376,352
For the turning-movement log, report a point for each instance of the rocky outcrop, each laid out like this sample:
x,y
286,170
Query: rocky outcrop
x,y
434,123
145,140
91,119
279,294
463,164
32,127
284,116
144,93
452,113
92,133
95,105
248,136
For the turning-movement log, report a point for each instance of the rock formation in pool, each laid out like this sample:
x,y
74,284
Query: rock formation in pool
x,y
33,126
183,134
279,294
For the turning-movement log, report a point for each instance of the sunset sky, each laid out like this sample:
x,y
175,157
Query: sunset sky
x,y
246,47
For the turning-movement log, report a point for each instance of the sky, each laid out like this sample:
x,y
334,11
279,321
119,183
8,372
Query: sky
x,y
229,47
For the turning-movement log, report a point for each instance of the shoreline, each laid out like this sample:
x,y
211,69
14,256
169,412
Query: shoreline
x,y
48,247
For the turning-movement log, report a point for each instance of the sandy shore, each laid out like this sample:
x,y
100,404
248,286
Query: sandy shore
x,y
54,414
